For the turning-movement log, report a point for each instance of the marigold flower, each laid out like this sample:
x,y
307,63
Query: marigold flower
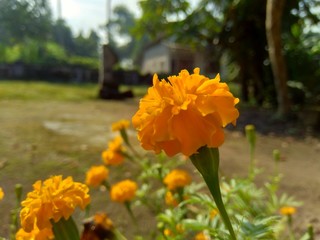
x,y
51,200
180,228
103,220
35,234
121,124
201,236
167,232
98,227
1,194
177,178
123,191
184,113
287,210
170,199
96,175
213,213
113,155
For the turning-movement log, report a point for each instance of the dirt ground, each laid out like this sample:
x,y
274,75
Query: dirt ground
x,y
86,126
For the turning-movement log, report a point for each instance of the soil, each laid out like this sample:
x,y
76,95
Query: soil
x,y
88,123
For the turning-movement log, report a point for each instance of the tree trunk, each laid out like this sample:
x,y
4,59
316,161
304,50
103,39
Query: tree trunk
x,y
273,31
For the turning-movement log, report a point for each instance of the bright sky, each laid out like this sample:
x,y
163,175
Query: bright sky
x,y
83,15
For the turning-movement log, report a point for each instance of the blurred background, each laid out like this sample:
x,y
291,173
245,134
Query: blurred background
x,y
269,51
60,60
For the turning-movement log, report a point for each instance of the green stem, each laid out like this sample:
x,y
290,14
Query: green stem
x,y
65,229
207,162
252,163
134,219
291,235
118,235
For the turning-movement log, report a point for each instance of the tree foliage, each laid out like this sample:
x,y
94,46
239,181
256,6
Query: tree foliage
x,y
236,29
23,19
29,34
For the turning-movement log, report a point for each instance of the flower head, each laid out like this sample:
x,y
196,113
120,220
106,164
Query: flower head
x,y
1,193
53,199
201,236
184,113
170,199
98,227
121,124
123,191
177,178
103,220
96,175
287,210
113,155
35,234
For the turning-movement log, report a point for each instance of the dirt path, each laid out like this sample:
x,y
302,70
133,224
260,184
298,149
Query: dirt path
x,y
87,124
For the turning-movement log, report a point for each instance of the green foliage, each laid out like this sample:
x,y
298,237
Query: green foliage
x,y
29,35
237,29
86,46
21,20
253,209
62,35
88,62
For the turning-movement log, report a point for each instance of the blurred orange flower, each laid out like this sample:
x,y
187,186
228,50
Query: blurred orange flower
x,y
184,113
121,124
167,232
123,191
1,193
170,199
51,200
103,220
177,178
96,175
213,213
201,236
113,155
286,210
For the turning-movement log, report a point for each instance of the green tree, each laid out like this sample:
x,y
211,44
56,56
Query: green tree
x,y
87,46
24,19
121,25
232,27
62,34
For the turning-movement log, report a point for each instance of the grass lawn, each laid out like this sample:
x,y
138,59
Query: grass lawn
x,y
36,90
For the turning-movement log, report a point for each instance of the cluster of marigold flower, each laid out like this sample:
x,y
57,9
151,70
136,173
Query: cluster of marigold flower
x,y
184,114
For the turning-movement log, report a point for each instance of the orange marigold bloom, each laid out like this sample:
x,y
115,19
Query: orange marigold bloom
x,y
123,191
286,210
213,213
113,155
184,113
52,199
103,220
1,193
35,234
170,199
201,236
177,178
121,124
167,232
96,175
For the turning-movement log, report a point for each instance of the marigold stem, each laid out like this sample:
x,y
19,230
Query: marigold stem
x,y
65,229
207,162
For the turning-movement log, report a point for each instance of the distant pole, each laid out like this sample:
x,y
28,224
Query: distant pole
x,y
108,18
59,9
